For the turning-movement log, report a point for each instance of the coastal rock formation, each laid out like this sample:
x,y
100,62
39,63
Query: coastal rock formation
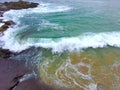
x,y
6,25
3,7
16,6
12,71
4,53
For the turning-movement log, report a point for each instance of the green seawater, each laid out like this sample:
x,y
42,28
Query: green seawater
x,y
67,24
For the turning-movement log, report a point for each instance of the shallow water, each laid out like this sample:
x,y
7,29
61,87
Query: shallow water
x,y
92,69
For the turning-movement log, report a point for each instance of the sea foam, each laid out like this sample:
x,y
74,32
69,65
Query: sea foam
x,y
42,8
78,43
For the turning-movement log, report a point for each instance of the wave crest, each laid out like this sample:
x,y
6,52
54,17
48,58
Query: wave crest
x,y
62,44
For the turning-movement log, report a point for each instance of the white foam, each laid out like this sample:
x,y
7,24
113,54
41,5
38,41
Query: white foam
x,y
92,87
50,8
1,24
42,8
60,45
84,41
1,18
46,24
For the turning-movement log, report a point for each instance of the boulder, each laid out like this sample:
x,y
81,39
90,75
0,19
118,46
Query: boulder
x,y
9,22
6,25
3,27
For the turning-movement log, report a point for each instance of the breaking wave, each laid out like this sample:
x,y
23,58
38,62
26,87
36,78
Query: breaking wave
x,y
62,44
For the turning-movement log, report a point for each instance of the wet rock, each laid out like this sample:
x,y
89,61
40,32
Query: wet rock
x,y
5,53
10,73
3,7
1,14
0,20
19,5
6,25
32,84
9,23
13,5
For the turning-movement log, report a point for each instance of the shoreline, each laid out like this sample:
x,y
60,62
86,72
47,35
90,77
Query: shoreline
x,y
6,6
12,71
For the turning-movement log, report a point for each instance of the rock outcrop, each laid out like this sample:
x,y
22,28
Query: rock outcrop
x,y
12,71
16,6
5,53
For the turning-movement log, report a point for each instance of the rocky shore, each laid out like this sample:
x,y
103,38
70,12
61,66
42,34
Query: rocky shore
x,y
12,72
16,6
6,24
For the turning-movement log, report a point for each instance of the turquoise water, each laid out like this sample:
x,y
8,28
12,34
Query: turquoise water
x,y
72,23
73,44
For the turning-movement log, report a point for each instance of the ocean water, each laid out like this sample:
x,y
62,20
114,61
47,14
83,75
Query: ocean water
x,y
74,44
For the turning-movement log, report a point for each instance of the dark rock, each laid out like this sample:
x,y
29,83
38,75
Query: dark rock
x,y
17,5
13,5
1,13
9,23
5,53
32,84
0,20
20,5
3,27
3,7
6,25
10,73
